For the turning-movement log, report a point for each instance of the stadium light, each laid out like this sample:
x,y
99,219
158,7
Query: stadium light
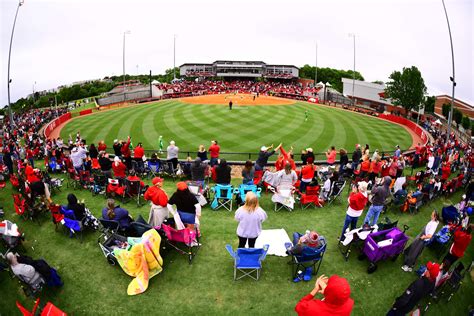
x,y
20,3
453,78
174,56
124,33
353,74
316,67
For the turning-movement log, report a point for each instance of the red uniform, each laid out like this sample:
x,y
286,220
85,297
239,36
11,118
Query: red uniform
x,y
119,171
138,152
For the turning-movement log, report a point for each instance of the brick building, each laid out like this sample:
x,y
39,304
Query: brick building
x,y
465,108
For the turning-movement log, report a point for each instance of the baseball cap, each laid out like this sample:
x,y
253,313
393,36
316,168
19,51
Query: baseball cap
x,y
181,186
156,180
263,148
433,269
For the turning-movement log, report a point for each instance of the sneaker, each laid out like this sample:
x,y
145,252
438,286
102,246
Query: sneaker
x,y
308,274
406,268
299,277
196,244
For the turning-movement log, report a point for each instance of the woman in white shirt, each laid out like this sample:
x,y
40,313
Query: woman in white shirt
x,y
414,250
287,176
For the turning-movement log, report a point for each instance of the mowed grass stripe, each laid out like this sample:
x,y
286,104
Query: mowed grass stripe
x,y
240,130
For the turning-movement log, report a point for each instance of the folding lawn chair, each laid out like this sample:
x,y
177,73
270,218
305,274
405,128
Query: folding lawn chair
x,y
242,190
336,189
310,197
222,197
153,168
73,178
167,168
248,261
309,257
133,189
48,310
283,197
100,183
184,241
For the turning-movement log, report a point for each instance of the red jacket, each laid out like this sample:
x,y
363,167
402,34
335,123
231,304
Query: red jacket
x,y
31,175
375,167
461,241
102,147
337,301
214,150
157,196
125,150
357,201
119,171
365,165
138,152
307,172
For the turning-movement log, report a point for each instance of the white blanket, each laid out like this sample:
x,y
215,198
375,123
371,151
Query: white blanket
x,y
276,239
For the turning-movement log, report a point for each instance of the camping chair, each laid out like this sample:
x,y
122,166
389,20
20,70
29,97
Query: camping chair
x,y
48,310
336,189
310,197
184,241
399,201
309,257
167,168
56,215
283,197
86,180
115,188
73,180
99,184
109,226
153,168
25,209
31,290
248,261
242,190
133,189
414,207
222,197
199,190
74,226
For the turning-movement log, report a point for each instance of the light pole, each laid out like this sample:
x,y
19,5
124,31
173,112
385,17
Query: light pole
x,y
453,79
316,67
354,71
20,3
124,33
174,56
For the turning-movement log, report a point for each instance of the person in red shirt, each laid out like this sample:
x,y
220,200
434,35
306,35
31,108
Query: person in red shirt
x,y
365,167
307,175
331,156
30,156
283,158
138,152
214,150
336,301
127,153
445,171
159,202
462,238
119,168
101,146
375,167
357,201
133,177
30,173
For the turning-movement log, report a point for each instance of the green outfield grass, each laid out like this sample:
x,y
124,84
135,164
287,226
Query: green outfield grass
x,y
244,129
93,287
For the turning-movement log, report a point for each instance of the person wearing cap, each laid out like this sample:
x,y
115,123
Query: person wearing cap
x,y
119,168
214,150
337,301
117,148
416,247
310,239
159,202
187,205
356,156
25,272
263,156
357,201
172,154
417,290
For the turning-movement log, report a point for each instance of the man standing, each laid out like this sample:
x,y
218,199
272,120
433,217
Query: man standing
x,y
379,195
172,154
78,155
356,157
230,105
263,156
397,152
161,144
214,152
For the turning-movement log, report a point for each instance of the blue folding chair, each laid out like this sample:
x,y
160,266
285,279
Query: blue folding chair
x,y
153,168
222,197
248,261
309,257
242,190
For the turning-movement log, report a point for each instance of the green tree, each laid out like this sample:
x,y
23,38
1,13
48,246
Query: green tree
x,y
445,110
430,104
466,122
333,76
457,116
406,88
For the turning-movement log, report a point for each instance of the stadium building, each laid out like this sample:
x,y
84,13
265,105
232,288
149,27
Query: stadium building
x,y
239,69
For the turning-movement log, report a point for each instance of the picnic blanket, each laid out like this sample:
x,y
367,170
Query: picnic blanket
x,y
142,261
276,239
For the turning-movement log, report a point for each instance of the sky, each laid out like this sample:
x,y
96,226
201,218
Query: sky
x,y
64,41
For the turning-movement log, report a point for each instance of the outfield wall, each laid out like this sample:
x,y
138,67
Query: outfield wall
x,y
406,122
55,123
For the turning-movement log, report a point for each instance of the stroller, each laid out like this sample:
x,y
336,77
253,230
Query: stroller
x,y
109,239
384,245
10,235
184,241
